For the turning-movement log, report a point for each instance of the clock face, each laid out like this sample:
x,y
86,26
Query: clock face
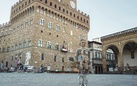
x,y
72,4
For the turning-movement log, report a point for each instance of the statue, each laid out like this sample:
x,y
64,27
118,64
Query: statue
x,y
28,57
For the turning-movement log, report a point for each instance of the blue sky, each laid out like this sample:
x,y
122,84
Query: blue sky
x,y
109,16
106,16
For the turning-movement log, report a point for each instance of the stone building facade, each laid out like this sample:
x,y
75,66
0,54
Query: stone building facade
x,y
43,32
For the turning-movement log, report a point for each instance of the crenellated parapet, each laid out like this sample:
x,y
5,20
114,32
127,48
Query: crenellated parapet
x,y
5,24
17,3
82,13
19,6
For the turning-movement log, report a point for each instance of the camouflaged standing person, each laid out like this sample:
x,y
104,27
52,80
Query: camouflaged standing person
x,y
82,62
82,59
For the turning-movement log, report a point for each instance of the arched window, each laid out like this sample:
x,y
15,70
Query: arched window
x,y
3,50
26,23
49,24
40,43
63,10
55,58
64,30
25,3
31,21
29,43
84,20
81,19
77,17
57,27
8,49
12,48
49,44
50,3
67,11
20,45
7,63
55,6
45,1
19,7
24,44
70,13
57,46
42,22
87,21
59,8
42,56
29,1
74,15
71,33
62,59
22,5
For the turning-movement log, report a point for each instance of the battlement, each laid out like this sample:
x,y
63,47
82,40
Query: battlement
x,y
78,11
17,3
5,24
82,13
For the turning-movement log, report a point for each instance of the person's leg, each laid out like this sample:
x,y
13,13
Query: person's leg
x,y
81,80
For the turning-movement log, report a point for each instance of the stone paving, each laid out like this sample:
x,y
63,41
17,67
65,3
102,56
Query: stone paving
x,y
50,79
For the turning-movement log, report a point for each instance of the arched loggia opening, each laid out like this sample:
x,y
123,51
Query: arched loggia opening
x,y
130,56
111,59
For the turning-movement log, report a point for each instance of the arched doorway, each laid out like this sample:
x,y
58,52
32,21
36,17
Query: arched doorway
x,y
130,56
7,64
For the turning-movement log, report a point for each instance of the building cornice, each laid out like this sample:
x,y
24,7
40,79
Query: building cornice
x,y
119,33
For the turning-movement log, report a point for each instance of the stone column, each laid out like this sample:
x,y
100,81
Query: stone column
x,y
104,60
121,62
